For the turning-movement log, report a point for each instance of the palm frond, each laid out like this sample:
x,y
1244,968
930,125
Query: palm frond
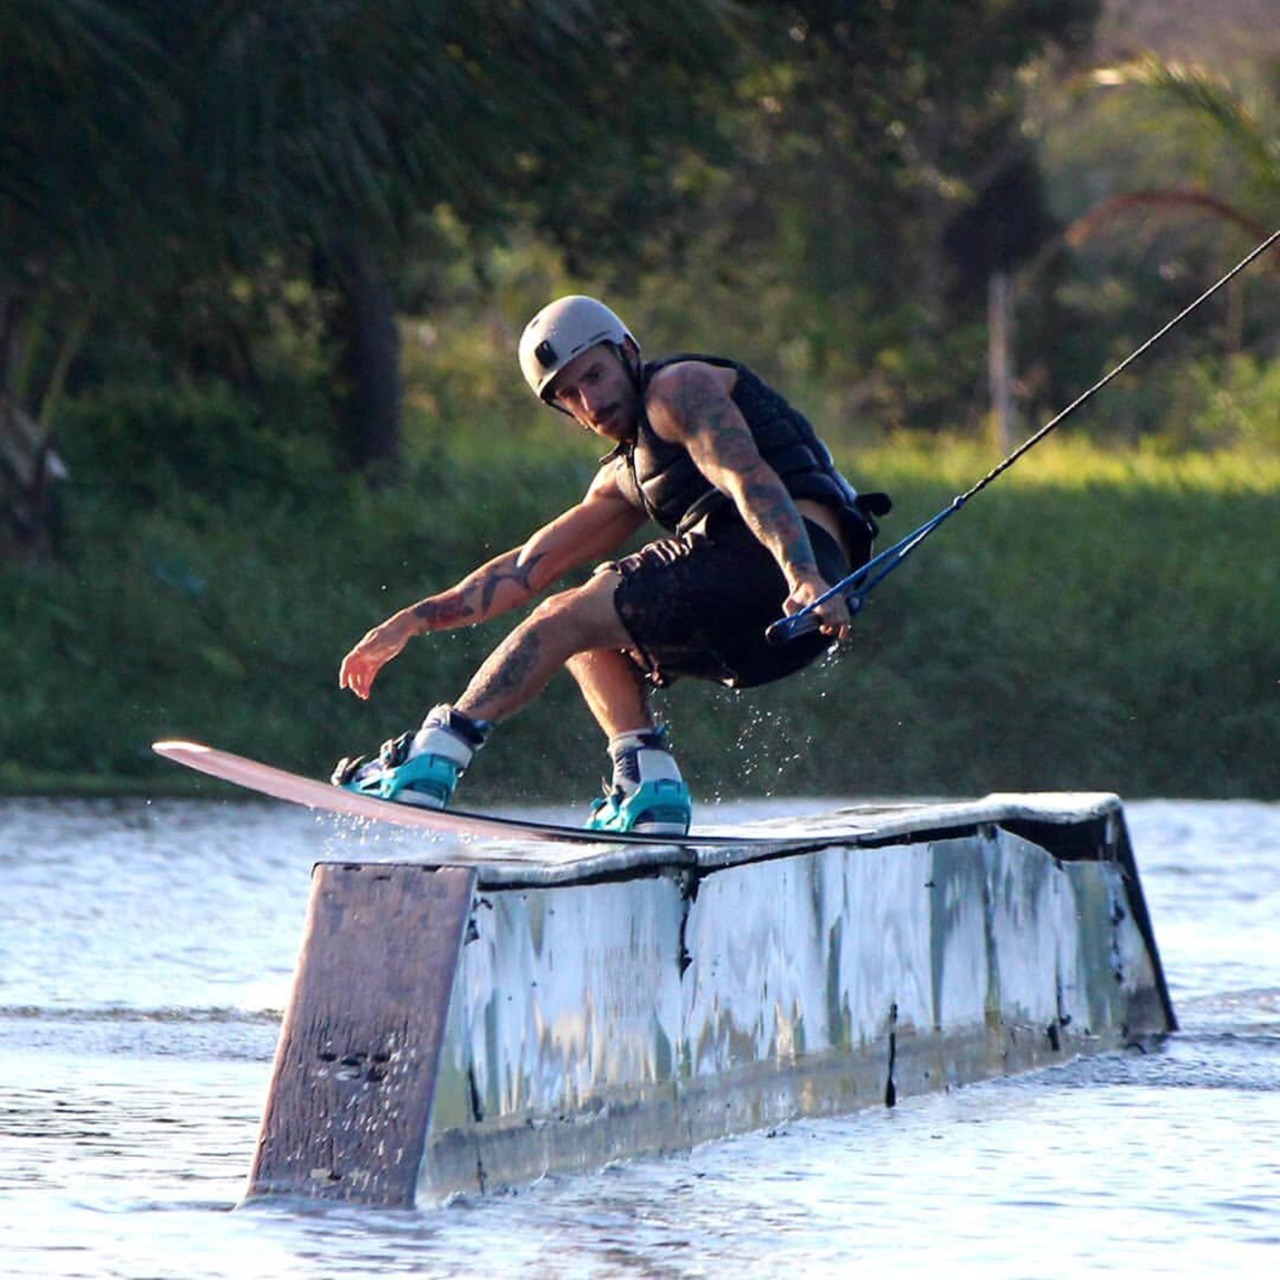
x,y
1240,120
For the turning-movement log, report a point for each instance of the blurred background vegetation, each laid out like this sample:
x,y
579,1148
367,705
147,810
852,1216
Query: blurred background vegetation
x,y
262,272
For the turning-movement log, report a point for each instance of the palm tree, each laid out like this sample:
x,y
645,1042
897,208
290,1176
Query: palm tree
x,y
1246,124
146,144
80,81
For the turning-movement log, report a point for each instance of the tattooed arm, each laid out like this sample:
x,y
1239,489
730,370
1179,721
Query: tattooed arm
x,y
689,404
600,523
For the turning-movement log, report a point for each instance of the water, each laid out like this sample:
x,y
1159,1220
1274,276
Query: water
x,y
147,949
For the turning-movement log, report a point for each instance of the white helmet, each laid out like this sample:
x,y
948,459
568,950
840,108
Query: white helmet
x,y
562,330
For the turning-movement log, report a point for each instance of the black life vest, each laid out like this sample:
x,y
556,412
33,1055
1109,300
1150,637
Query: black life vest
x,y
662,480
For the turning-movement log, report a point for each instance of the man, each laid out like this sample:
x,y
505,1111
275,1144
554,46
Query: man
x,y
759,522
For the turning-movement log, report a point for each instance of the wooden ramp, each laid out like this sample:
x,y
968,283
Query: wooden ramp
x,y
503,1011
355,1070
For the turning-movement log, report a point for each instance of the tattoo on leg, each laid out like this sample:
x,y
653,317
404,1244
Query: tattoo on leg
x,y
507,672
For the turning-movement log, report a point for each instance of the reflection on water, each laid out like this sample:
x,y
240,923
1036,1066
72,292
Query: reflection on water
x,y
146,951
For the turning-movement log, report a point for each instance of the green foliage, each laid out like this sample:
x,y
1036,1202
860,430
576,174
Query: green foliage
x,y
157,157
137,446
1237,403
805,155
861,133
83,130
1241,117
1095,620
1165,174
780,182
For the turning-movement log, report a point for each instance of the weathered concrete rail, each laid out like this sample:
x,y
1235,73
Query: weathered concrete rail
x,y
460,1027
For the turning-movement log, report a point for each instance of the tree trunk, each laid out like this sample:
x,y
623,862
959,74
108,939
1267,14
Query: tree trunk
x,y
27,465
368,367
22,462
1000,320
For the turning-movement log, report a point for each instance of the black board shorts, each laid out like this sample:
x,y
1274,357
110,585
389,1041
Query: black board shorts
x,y
697,605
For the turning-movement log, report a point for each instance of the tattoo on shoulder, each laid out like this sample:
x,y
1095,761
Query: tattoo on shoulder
x,y
737,447
698,399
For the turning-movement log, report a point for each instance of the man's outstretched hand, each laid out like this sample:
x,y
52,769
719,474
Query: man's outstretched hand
x,y
361,666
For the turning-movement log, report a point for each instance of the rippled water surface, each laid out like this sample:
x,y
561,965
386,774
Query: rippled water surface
x,y
147,949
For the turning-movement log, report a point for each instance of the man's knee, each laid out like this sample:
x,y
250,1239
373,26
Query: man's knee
x,y
581,618
592,665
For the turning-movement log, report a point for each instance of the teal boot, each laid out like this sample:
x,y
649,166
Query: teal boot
x,y
648,796
420,768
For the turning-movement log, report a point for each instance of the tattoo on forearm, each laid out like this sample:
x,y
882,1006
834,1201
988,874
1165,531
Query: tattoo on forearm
x,y
701,404
779,521
799,552
520,575
449,614
476,598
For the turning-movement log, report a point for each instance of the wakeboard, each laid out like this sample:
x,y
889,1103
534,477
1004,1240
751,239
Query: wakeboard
x,y
269,780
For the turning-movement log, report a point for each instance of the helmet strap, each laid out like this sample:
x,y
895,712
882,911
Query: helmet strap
x,y
629,356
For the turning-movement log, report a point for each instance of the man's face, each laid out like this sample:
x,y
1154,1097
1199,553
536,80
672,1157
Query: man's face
x,y
598,391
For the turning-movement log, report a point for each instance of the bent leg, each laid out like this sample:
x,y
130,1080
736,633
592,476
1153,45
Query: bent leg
x,y
647,793
569,623
614,690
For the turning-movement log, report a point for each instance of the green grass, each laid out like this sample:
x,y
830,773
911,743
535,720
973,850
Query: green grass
x,y
1092,620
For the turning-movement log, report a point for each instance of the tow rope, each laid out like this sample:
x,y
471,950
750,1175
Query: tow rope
x,y
859,584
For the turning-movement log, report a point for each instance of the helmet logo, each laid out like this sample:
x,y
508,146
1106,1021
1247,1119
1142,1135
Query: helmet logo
x,y
562,330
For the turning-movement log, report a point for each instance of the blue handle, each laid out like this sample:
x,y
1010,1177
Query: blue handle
x,y
800,624
857,586
785,629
